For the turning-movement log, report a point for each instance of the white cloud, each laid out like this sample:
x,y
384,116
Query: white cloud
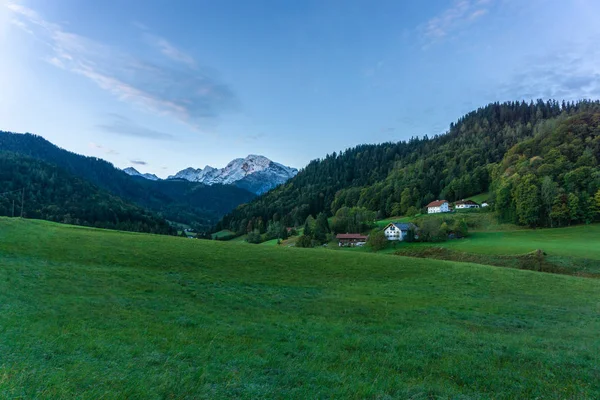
x,y
172,83
571,72
171,51
453,19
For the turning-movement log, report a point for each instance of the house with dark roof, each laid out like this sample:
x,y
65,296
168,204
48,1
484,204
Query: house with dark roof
x,y
438,206
465,204
351,239
398,231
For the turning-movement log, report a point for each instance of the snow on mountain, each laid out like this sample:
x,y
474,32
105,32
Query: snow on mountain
x,y
188,174
134,172
255,173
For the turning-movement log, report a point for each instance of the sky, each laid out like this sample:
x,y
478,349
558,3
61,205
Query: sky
x,y
164,85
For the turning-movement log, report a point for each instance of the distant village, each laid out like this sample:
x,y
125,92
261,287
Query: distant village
x,y
396,231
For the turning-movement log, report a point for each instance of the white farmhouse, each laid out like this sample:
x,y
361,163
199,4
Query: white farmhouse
x,y
466,204
396,231
438,206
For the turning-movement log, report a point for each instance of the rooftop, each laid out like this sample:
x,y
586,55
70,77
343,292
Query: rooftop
x,y
437,203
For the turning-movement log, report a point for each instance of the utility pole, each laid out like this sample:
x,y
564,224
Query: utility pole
x,y
22,202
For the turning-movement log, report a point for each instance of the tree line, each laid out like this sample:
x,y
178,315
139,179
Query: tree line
x,y
392,179
190,203
53,194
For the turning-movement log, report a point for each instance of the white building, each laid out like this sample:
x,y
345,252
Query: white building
x,y
465,204
438,206
484,204
397,231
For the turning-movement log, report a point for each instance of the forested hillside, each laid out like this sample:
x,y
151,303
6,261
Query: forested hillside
x,y
53,194
186,202
552,179
399,178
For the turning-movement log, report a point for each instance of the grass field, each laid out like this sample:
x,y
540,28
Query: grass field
x,y
576,241
94,314
572,250
222,234
480,198
382,223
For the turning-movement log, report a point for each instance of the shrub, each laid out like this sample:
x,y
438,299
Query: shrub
x,y
377,240
304,241
254,237
431,230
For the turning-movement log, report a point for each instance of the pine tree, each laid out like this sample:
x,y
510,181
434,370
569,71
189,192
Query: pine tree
x,y
527,199
596,204
321,228
574,208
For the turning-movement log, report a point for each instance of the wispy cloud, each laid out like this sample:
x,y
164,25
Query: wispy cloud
x,y
452,20
121,125
171,83
570,73
138,162
106,150
170,51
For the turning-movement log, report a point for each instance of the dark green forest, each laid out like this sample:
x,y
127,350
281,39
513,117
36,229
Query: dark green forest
x,y
53,194
398,178
194,204
552,179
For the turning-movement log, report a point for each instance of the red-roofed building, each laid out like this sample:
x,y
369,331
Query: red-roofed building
x,y
351,239
438,206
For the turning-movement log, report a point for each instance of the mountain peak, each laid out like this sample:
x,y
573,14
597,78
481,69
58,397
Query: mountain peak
x,y
255,173
134,172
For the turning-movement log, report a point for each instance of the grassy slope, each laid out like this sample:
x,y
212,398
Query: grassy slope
x,y
576,241
382,223
101,314
480,198
222,233
571,250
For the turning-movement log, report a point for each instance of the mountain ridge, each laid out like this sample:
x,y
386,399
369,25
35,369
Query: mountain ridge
x,y
255,173
193,204
134,172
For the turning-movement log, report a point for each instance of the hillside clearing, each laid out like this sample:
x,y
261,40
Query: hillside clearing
x,y
102,314
480,198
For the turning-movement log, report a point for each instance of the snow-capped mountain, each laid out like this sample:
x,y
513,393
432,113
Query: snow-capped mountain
x,y
254,173
134,172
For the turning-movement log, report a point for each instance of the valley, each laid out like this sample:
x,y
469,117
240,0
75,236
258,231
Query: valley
x,y
300,200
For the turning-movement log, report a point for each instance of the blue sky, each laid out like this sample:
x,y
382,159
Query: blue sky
x,y
164,85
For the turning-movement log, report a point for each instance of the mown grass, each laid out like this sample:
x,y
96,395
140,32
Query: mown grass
x,y
534,261
573,250
222,234
577,241
382,223
93,314
479,198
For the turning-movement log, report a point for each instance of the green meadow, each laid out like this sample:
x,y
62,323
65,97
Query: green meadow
x,y
576,241
223,233
480,198
96,314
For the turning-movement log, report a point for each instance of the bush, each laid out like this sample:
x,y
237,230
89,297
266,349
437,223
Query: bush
x,y
461,229
254,237
412,211
377,240
430,230
304,241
